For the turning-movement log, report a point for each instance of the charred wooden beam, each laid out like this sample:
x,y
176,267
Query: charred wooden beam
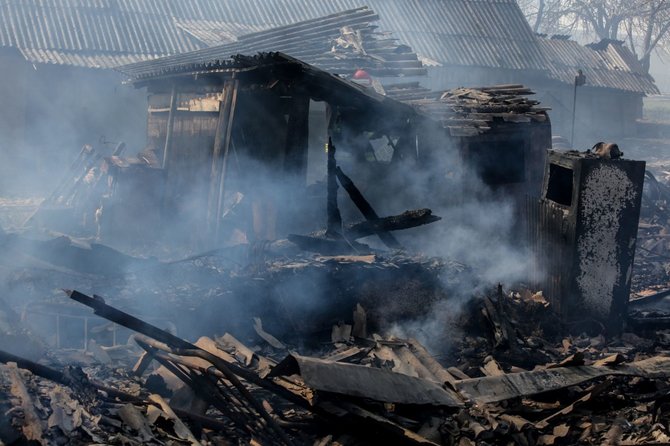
x,y
406,220
220,155
334,227
207,389
32,428
365,207
180,345
170,126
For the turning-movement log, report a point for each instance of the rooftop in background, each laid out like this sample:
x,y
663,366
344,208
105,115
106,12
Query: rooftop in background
x,y
339,43
94,33
471,33
99,33
486,33
607,64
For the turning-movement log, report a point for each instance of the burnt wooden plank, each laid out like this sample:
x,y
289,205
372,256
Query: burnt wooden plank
x,y
366,208
220,155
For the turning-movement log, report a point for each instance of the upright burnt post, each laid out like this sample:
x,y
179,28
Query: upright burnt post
x,y
334,227
170,126
220,155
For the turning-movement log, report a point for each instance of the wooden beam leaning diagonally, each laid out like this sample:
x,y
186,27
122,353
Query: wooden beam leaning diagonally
x,y
365,207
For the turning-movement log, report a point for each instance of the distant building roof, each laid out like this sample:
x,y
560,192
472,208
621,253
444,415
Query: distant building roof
x,y
92,33
607,64
471,33
487,33
339,43
216,32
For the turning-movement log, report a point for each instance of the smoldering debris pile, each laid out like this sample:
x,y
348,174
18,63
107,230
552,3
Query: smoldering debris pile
x,y
351,365
511,380
651,279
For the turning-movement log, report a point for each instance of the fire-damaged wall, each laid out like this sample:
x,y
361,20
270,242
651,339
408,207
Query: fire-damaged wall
x,y
585,227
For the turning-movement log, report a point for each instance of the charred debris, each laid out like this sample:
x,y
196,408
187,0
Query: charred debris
x,y
285,300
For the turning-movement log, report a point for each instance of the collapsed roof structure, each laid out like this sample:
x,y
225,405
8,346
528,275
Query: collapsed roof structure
x,y
246,152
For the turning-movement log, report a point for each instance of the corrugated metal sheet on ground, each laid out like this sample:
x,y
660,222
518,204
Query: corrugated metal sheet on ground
x,y
607,66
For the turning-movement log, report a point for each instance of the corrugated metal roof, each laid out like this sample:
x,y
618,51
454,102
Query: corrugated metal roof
x,y
339,43
606,65
81,59
95,25
488,33
212,32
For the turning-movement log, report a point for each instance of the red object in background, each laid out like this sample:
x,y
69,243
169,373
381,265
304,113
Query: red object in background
x,y
362,77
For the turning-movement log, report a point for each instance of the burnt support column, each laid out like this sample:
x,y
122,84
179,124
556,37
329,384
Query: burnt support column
x,y
170,126
220,157
334,227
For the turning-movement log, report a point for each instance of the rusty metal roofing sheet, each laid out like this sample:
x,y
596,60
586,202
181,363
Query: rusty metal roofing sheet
x,y
610,65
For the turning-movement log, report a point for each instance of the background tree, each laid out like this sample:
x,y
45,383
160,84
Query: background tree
x,y
643,24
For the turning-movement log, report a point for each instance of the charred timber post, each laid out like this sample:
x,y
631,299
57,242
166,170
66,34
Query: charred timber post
x,y
166,148
365,208
126,320
220,157
334,227
170,125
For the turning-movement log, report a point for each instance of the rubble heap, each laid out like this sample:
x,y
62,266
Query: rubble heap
x,y
512,379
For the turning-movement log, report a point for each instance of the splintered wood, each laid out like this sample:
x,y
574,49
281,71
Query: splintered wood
x,y
363,389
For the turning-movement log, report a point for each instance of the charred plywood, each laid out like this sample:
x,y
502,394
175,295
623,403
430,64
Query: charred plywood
x,y
585,228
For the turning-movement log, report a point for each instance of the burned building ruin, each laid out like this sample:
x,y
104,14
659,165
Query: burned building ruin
x,y
311,247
